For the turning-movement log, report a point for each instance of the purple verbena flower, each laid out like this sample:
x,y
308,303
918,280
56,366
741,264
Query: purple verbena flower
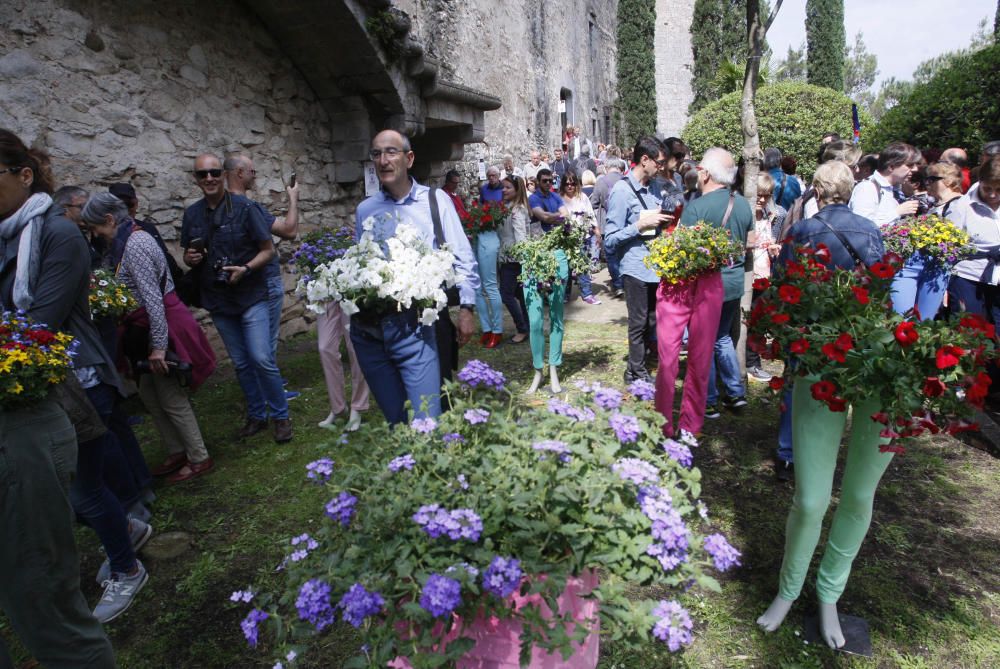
x,y
462,482
424,425
560,448
723,554
477,373
477,416
502,576
441,595
626,427
402,462
242,596
249,625
457,524
313,603
320,470
607,398
635,470
453,438
562,408
341,508
358,603
673,625
307,544
678,452
642,389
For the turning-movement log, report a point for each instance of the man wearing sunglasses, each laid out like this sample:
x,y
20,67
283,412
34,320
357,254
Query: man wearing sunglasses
x,y
228,240
546,206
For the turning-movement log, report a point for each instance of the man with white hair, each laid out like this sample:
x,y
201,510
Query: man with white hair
x,y
535,164
706,306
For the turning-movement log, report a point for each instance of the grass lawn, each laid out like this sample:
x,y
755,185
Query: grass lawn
x,y
927,578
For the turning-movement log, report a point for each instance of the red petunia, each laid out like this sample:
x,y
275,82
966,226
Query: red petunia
x,y
790,294
906,333
893,258
844,342
860,294
799,346
836,404
822,391
882,270
795,270
779,319
948,356
881,417
761,284
933,387
838,349
976,394
823,253
977,323
776,383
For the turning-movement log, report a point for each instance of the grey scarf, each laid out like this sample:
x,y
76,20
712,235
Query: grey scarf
x,y
26,222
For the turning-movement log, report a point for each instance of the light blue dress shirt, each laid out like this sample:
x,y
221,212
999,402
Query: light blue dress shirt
x,y
621,233
415,209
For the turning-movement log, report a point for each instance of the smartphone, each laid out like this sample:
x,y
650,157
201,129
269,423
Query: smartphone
x,y
197,244
291,181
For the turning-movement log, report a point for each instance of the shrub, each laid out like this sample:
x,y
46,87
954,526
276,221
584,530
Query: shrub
x,y
959,106
791,116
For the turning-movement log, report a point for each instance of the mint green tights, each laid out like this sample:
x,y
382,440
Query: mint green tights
x,y
536,316
816,435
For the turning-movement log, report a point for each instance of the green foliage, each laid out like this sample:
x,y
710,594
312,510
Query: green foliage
x,y
718,33
960,106
860,69
793,66
730,75
826,39
384,27
791,116
559,507
635,110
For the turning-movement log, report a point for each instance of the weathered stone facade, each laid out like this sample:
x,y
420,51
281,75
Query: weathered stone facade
x,y
674,63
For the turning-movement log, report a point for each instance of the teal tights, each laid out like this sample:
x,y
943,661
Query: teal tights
x,y
536,316
816,435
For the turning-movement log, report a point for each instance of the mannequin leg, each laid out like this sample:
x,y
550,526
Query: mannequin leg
x,y
554,379
556,321
535,381
816,434
536,324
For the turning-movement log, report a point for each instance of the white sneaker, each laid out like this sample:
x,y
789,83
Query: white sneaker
x,y
119,593
758,374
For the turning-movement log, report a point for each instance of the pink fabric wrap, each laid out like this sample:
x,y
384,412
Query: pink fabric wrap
x,y
498,641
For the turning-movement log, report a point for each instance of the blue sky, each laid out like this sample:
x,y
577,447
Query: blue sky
x,y
902,33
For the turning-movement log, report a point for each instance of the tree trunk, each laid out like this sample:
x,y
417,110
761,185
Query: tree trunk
x,y
752,154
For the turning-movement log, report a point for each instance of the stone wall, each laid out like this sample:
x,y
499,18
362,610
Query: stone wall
x,y
674,61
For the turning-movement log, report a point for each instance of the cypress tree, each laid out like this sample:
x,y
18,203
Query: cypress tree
x,y
636,106
718,33
826,40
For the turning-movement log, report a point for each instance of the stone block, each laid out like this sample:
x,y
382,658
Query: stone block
x,y
19,64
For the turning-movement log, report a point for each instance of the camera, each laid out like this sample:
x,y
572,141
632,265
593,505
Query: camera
x,y
221,276
924,203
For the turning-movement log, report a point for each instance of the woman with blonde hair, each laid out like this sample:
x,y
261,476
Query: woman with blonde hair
x,y
578,204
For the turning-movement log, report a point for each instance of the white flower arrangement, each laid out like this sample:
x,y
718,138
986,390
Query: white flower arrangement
x,y
403,269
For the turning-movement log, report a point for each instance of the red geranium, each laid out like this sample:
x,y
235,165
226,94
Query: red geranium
x,y
790,294
933,387
822,391
882,270
906,333
799,346
948,356
860,294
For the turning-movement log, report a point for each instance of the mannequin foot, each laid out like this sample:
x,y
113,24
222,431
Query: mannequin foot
x,y
775,614
328,422
829,626
354,422
537,379
554,379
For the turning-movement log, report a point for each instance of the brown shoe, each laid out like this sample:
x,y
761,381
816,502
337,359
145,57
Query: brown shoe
x,y
191,470
282,430
252,427
170,465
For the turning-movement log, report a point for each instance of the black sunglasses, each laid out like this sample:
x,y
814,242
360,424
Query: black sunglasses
x,y
203,174
11,170
933,178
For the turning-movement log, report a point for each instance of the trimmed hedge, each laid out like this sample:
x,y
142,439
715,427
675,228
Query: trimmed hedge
x,y
790,115
959,106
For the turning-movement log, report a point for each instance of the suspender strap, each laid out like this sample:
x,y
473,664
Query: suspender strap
x,y
436,217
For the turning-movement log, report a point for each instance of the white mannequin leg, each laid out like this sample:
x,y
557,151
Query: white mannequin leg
x,y
829,626
554,379
328,421
537,379
354,422
775,614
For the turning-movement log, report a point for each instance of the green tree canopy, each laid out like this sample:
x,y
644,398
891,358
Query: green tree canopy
x,y
793,66
791,116
718,34
826,42
959,106
636,106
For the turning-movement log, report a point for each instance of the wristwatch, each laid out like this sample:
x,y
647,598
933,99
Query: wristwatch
x,y
470,307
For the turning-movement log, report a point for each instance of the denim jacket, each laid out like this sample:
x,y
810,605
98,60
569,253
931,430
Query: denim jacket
x,y
859,231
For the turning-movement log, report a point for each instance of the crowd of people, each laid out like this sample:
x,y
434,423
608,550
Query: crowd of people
x,y
51,239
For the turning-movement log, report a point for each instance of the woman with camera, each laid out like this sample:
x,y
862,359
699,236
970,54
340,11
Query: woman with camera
x,y
167,348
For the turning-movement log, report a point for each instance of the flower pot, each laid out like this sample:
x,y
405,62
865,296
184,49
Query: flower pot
x,y
498,643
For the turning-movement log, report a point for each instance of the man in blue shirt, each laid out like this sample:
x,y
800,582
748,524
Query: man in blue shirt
x,y
397,354
492,190
545,204
786,188
633,218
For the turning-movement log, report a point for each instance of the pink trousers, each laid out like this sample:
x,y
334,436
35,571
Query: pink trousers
x,y
333,326
696,305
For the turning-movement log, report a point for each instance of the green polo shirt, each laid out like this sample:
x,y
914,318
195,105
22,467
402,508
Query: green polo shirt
x,y
711,208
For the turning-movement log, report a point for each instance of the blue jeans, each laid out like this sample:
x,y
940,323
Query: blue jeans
x,y
248,341
921,283
91,498
275,300
785,426
614,269
590,251
399,359
724,361
512,295
488,296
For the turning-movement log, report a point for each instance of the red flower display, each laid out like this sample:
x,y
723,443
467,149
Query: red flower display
x,y
823,391
799,346
836,404
790,294
934,387
882,270
776,383
860,294
838,349
977,392
906,333
779,319
948,356
975,322
761,284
